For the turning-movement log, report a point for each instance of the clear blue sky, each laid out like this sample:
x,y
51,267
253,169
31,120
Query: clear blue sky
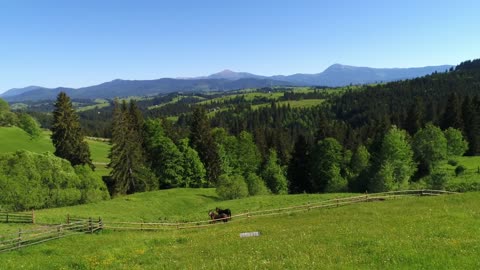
x,y
81,43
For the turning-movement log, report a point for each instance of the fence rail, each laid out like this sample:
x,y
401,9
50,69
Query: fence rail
x,y
331,203
75,226
6,217
25,238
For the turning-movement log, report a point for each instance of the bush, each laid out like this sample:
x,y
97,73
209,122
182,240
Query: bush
x,y
460,169
437,181
35,181
452,162
232,187
463,186
256,185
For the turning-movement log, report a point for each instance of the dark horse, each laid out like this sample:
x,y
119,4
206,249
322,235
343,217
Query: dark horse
x,y
224,211
215,217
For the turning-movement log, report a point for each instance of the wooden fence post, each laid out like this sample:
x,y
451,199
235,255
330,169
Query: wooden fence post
x,y
59,230
7,217
308,206
33,216
19,237
90,227
100,223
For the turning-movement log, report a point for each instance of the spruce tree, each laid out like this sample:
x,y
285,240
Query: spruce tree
x,y
126,155
202,141
67,136
452,116
472,126
298,173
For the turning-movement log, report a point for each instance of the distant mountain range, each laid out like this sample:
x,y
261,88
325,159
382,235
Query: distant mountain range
x,y
333,76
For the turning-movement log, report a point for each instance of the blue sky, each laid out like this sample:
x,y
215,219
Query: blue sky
x,y
81,43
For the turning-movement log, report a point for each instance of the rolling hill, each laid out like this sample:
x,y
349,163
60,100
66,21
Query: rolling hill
x,y
412,232
335,75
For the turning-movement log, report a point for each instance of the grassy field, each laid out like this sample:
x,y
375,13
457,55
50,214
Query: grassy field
x,y
13,139
408,233
471,174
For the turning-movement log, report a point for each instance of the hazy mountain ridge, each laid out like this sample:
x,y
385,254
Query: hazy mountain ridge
x,y
333,76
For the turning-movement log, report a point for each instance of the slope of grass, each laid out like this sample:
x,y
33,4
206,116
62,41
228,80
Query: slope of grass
x,y
173,205
409,233
14,138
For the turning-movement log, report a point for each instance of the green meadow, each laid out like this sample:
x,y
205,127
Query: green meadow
x,y
440,232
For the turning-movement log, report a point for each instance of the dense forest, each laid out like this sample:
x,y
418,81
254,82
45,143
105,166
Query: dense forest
x,y
368,138
376,138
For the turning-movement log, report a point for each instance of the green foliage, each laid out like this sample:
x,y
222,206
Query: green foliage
x,y
256,185
163,155
298,170
29,125
248,157
326,162
7,118
452,162
460,169
274,174
127,160
359,163
396,162
231,187
202,141
29,180
437,181
430,146
194,173
67,136
456,144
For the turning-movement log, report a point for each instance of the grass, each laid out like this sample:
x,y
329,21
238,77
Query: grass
x,y
471,174
304,103
14,138
408,233
101,103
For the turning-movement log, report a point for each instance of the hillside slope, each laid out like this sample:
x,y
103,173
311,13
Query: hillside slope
x,y
415,233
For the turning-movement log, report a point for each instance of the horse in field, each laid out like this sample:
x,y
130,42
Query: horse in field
x,y
215,217
224,211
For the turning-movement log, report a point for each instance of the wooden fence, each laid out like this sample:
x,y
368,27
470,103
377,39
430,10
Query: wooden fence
x,y
6,217
337,202
25,238
75,226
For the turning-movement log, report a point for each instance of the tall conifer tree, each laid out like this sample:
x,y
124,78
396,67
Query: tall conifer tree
x,y
202,141
67,136
126,155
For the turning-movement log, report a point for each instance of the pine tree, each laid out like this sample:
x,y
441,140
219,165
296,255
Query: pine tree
x,y
415,117
472,126
298,174
126,155
67,136
453,113
202,141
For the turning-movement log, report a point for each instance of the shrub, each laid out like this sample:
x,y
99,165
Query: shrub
x,y
34,181
460,169
437,181
232,187
256,185
452,162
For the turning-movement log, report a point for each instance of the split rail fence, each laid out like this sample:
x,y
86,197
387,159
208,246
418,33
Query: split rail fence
x,y
6,217
151,226
75,226
25,238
